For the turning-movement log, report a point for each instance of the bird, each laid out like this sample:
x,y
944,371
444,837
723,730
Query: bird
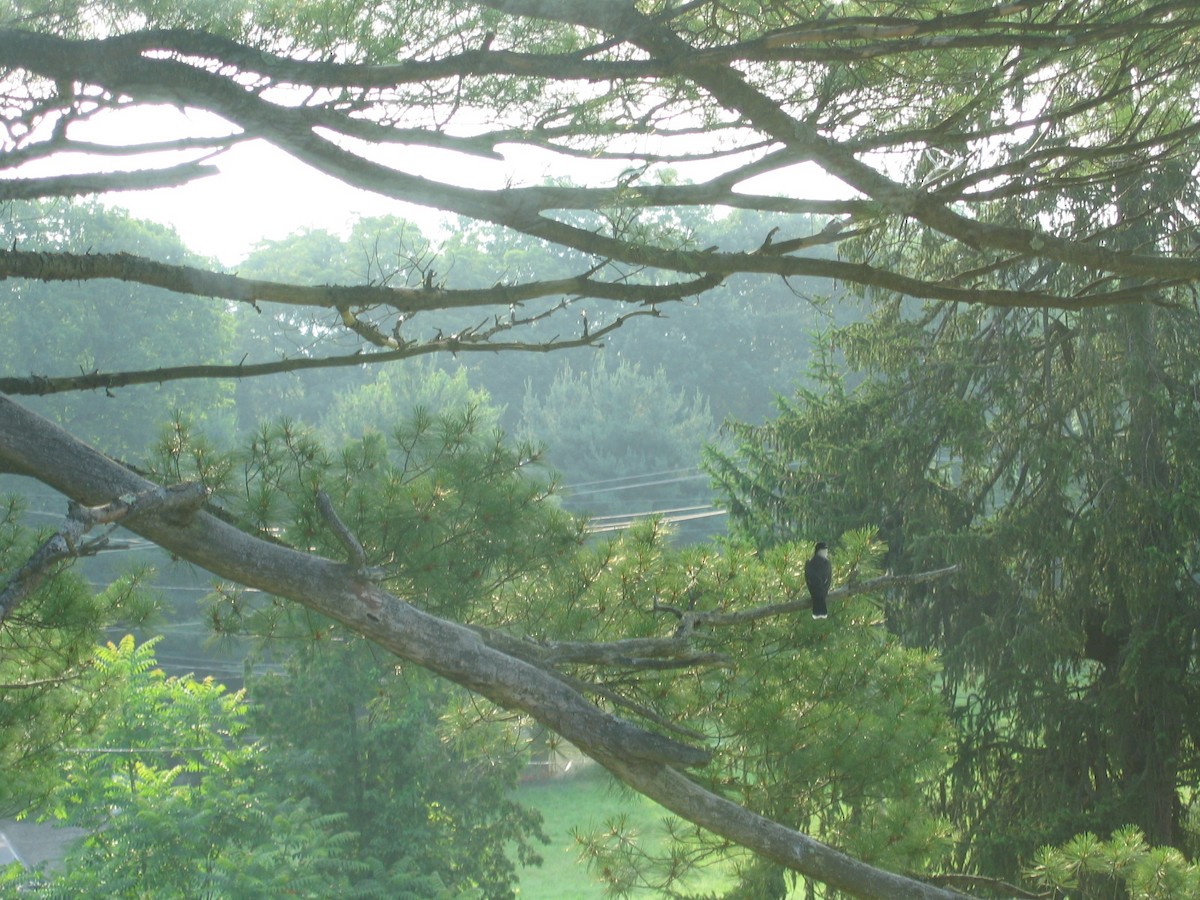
x,y
818,574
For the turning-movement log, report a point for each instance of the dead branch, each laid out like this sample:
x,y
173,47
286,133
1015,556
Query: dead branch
x,y
67,544
189,280
677,650
42,385
648,762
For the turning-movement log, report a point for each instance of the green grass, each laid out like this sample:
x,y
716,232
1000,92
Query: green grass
x,y
576,801
585,800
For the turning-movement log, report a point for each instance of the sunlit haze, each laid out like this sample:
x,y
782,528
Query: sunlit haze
x,y
261,193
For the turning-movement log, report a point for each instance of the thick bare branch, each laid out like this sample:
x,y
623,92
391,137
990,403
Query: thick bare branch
x,y
731,89
644,760
121,65
32,444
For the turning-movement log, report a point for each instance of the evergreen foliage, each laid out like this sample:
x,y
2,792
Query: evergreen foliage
x,y
373,744
1017,201
1047,455
832,726
1122,866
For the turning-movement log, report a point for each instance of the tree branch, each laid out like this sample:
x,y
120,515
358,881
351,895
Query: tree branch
x,y
696,618
49,267
644,760
43,385
354,547
645,653
102,182
333,589
65,544
993,885
119,66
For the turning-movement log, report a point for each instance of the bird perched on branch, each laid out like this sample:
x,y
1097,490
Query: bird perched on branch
x,y
818,574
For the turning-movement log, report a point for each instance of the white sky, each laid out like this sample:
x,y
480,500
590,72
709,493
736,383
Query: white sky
x,y
262,193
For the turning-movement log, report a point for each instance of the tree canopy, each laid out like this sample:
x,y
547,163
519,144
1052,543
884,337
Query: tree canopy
x,y
1024,155
973,132
1068,635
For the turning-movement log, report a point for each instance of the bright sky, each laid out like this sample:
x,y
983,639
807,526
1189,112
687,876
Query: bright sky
x,y
263,194
260,194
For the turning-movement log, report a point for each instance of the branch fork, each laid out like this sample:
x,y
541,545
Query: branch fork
x,y
176,503
356,555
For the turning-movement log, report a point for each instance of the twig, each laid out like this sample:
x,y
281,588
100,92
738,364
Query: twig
x,y
639,652
548,656
638,709
67,542
37,684
980,881
630,653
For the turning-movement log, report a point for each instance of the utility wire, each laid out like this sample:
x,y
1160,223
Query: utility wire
x,y
627,523
621,478
627,482
653,512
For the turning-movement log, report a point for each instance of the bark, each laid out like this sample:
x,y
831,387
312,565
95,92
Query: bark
x,y
189,280
481,341
734,92
101,182
67,543
646,761
1157,710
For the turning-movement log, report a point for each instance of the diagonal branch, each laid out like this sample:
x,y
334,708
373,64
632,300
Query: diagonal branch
x,y
646,761
31,444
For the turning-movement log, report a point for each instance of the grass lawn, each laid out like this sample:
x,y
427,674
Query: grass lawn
x,y
584,800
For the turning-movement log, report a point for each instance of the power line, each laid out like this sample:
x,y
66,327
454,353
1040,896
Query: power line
x,y
627,521
620,478
652,512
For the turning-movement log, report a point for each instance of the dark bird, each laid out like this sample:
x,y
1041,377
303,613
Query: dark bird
x,y
818,574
